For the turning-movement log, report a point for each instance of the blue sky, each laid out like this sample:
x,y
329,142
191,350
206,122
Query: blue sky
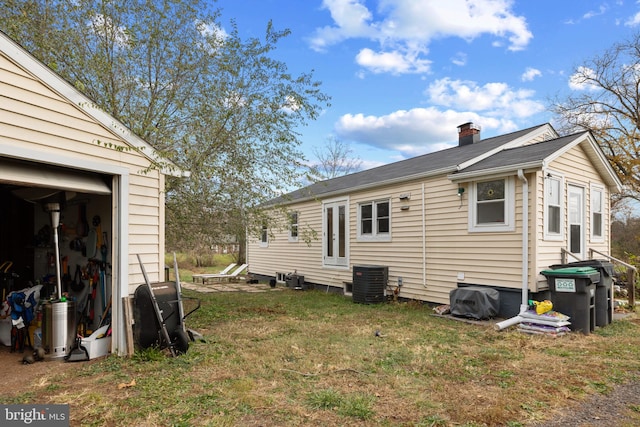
x,y
403,74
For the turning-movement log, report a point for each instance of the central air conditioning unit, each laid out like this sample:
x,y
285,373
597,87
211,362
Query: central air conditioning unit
x,y
294,281
369,283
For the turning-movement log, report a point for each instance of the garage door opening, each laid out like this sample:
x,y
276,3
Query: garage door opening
x,y
27,251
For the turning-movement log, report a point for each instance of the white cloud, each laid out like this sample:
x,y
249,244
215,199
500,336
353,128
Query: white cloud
x,y
601,11
633,21
352,19
104,26
460,59
291,105
580,79
405,28
493,99
392,62
208,30
413,132
530,74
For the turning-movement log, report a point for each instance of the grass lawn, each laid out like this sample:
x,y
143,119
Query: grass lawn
x,y
308,358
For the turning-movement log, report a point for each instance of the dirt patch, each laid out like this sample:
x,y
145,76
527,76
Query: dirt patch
x,y
18,375
617,408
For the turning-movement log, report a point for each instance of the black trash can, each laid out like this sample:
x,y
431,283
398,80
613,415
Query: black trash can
x,y
573,292
604,288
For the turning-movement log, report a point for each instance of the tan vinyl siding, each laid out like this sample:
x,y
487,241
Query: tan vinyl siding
x,y
277,257
577,170
403,254
431,245
483,258
450,247
35,118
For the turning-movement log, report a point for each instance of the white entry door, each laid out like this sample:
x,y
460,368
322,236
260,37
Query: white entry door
x,y
576,221
335,233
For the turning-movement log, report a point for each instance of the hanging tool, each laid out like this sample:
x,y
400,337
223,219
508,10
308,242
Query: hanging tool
x,y
4,274
103,268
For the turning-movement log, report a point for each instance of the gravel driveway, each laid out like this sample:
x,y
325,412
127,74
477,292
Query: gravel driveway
x,y
619,408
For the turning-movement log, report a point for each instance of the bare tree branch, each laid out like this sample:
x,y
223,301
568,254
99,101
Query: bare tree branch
x,y
334,159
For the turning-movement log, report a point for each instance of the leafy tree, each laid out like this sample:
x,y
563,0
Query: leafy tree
x,y
334,159
220,107
625,237
606,100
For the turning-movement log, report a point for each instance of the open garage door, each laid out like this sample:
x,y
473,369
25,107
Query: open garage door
x,y
31,178
78,249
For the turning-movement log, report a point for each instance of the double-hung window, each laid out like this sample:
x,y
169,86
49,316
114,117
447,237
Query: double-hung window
x,y
374,220
293,226
492,205
264,236
553,207
597,210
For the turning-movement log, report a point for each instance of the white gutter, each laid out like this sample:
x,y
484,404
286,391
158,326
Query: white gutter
x,y
496,171
525,256
377,184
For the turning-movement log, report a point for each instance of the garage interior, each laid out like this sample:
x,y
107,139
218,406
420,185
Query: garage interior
x,y
28,251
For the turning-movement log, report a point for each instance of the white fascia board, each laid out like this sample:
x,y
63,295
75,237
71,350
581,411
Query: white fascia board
x,y
56,83
501,171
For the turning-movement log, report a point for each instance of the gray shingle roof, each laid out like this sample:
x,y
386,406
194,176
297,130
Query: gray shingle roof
x,y
531,153
443,161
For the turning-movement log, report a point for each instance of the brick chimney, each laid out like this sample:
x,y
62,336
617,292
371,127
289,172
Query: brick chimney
x,y
468,133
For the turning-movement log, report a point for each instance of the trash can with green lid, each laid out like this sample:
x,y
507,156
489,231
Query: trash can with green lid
x,y
573,292
604,288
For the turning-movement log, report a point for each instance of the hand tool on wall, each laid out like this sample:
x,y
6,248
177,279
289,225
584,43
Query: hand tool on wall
x,y
103,268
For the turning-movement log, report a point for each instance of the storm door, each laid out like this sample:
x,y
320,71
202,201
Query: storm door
x,y
576,221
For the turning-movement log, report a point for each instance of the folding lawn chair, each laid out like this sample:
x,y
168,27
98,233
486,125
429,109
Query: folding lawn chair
x,y
229,277
202,277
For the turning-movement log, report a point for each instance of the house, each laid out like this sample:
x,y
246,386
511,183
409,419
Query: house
x,y
55,144
490,212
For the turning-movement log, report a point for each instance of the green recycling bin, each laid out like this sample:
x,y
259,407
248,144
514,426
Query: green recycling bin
x,y
573,292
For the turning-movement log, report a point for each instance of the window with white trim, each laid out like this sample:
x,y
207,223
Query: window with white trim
x,y
374,220
264,236
597,213
293,226
553,207
492,205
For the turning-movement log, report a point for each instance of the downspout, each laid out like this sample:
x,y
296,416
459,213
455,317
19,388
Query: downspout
x,y
424,241
525,256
